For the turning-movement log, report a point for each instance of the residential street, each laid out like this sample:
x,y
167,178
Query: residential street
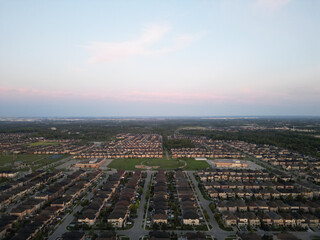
x,y
69,218
215,231
137,230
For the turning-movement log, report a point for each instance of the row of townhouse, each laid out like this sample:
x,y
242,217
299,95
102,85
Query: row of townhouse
x,y
6,223
267,206
67,146
10,142
75,191
92,211
38,219
30,206
138,138
8,174
25,185
205,147
291,219
27,208
110,155
90,163
186,199
58,188
121,211
290,165
239,172
261,193
248,185
314,176
128,146
63,200
244,176
276,156
72,149
203,153
36,224
26,179
160,198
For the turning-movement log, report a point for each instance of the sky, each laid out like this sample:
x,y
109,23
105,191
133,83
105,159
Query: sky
x,y
98,58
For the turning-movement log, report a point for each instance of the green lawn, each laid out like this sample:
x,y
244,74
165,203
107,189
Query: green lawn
x,y
163,163
195,165
34,144
124,164
46,161
34,160
27,158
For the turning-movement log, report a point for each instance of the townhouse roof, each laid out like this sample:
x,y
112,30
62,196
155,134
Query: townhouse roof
x,y
88,213
249,236
159,216
195,236
159,234
107,235
190,214
73,235
117,214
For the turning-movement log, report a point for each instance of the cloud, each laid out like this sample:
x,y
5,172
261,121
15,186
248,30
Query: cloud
x,y
142,46
244,95
103,95
272,4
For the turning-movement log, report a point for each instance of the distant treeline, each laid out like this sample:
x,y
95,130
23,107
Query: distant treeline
x,y
177,143
103,130
302,143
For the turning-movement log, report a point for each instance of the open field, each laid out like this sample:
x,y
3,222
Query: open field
x,y
26,158
34,144
163,163
34,161
49,159
195,165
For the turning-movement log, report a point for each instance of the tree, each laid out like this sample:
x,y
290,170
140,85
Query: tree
x,y
155,226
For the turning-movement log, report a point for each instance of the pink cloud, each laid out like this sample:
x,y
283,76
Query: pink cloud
x,y
142,46
173,97
244,95
138,96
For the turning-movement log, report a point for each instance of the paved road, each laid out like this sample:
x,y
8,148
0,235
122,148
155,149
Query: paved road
x,y
277,169
137,230
105,165
69,218
215,231
66,164
196,194
66,221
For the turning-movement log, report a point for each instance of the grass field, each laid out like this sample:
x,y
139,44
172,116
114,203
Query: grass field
x,y
35,161
195,165
27,158
48,160
163,163
34,144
